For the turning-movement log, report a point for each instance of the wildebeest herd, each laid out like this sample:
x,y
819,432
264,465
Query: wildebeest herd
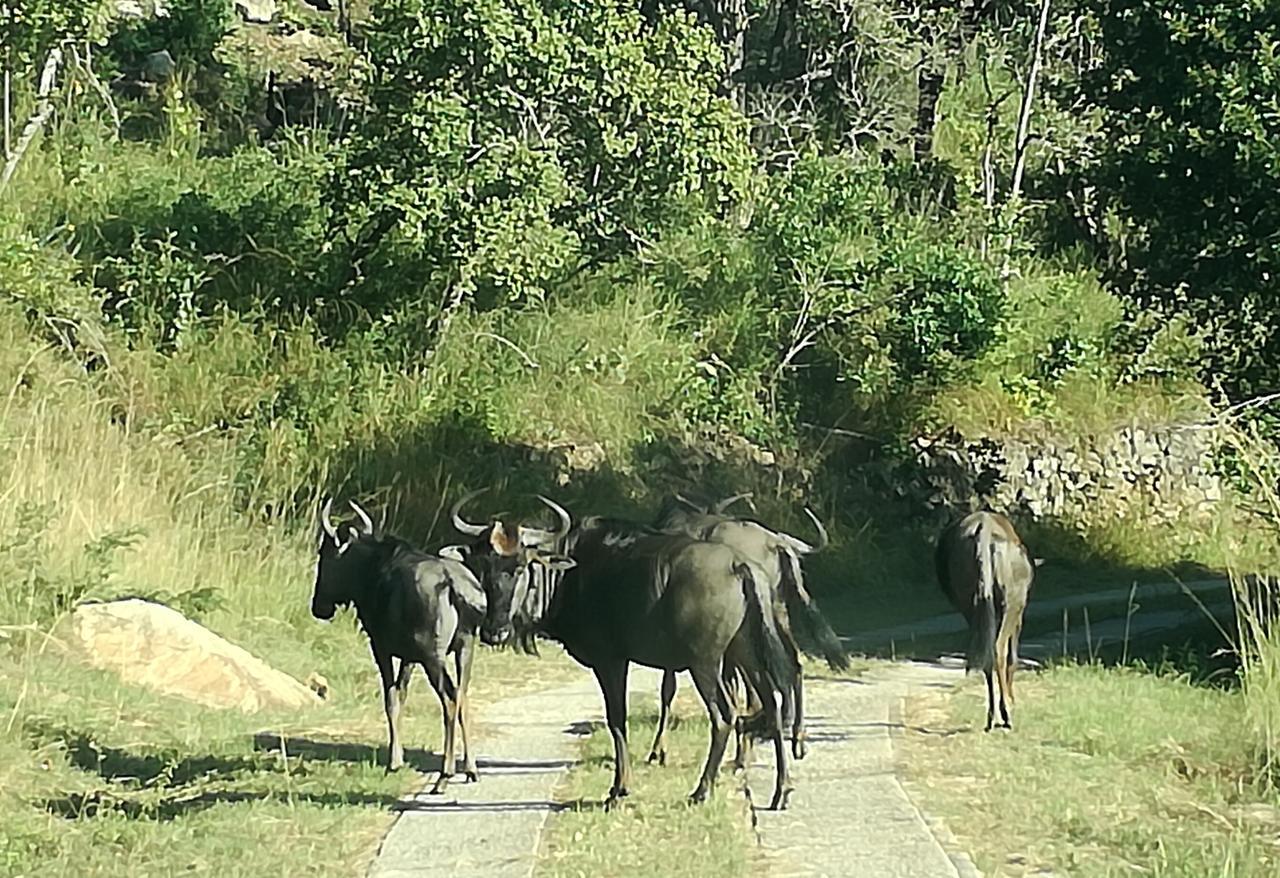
x,y
698,589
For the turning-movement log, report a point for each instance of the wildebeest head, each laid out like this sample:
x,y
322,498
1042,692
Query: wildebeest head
x,y
337,571
501,558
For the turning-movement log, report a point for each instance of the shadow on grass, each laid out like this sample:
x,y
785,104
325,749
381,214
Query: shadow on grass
x,y
420,760
143,769
88,806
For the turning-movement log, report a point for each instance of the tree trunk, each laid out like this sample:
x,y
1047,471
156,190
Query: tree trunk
x,y
1028,99
733,22
44,109
929,84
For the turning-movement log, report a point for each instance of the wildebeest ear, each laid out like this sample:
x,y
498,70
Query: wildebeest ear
x,y
553,562
456,553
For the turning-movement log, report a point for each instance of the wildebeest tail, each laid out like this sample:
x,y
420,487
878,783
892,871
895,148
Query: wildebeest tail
x,y
982,638
766,642
803,610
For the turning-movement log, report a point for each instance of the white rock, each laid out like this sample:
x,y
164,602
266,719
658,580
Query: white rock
x,y
153,646
257,11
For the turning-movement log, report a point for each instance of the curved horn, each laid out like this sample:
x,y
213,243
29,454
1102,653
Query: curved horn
x,y
364,517
823,539
459,524
724,504
566,521
685,501
329,529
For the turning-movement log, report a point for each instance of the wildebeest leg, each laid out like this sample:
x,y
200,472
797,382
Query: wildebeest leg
x,y
991,699
715,695
1013,655
402,681
463,659
613,685
1002,669
658,752
746,719
771,711
793,708
391,704
438,674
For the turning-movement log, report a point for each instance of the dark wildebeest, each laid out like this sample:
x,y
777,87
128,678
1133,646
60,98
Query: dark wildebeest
x,y
416,607
778,556
496,557
667,601
986,572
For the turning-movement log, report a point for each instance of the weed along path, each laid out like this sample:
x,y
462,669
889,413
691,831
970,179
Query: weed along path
x,y
849,815
491,829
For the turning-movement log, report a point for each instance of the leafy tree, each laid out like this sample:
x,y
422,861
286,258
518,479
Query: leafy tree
x,y
1187,98
506,142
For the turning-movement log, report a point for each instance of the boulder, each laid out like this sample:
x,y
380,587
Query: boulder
x,y
158,66
153,646
256,11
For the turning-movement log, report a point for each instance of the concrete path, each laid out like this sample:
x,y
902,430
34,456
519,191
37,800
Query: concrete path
x,y
849,815
491,829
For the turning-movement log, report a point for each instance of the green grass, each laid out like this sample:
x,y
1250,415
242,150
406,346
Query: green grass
x,y
92,770
1109,772
656,831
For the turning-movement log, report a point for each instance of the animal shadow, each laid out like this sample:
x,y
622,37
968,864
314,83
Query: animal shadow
x,y
343,751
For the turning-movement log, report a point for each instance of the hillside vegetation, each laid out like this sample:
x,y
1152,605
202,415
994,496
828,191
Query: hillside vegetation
x,y
411,247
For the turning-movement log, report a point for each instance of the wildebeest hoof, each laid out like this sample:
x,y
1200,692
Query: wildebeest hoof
x,y
780,800
738,766
799,749
658,756
473,776
441,784
614,800
698,796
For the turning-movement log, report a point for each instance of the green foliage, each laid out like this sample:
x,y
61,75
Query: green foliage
x,y
40,593
542,133
190,31
833,301
1186,96
30,28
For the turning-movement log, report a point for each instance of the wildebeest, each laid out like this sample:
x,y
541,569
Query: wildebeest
x,y
496,557
986,572
416,607
667,601
778,557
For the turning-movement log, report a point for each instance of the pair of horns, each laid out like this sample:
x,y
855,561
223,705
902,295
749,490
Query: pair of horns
x,y
472,529
823,539
327,523
718,508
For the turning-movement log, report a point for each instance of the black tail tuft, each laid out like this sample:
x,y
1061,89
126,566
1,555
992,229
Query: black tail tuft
x,y
982,635
767,644
803,610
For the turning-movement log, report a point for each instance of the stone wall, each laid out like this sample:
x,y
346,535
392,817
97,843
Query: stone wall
x,y
1161,474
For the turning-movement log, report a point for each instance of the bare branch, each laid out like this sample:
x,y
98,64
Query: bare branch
x,y
44,109
1028,99
85,66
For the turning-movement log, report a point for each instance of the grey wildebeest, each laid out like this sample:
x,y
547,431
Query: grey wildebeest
x,y
496,556
667,601
778,556
416,607
986,572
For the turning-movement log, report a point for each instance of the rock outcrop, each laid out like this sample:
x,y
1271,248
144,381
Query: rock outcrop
x,y
151,645
1160,473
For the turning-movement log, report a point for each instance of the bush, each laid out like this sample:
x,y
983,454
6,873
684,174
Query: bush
x,y
543,134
